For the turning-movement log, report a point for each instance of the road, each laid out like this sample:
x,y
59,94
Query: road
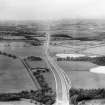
x,y
63,84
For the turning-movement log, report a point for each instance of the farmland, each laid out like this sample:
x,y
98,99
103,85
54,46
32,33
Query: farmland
x,y
81,37
78,71
23,70
13,76
25,41
13,71
97,50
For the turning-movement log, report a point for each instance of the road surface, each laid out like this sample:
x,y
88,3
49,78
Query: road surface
x,y
63,84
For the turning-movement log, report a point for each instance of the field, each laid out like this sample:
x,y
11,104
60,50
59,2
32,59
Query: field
x,y
97,50
82,36
93,102
18,42
85,37
49,78
17,103
80,77
22,49
13,76
13,71
35,64
79,71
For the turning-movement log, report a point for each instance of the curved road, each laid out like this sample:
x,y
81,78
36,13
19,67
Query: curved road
x,y
63,83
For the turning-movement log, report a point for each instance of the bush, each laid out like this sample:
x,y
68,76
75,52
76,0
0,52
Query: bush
x,y
33,58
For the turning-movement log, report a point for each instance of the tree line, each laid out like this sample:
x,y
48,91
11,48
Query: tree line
x,y
77,95
39,96
33,58
100,60
47,91
8,55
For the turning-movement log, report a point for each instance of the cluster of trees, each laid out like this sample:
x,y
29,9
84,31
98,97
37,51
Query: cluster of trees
x,y
99,60
87,39
77,95
74,59
40,70
28,37
31,32
39,96
34,42
96,60
33,58
47,91
9,55
45,95
61,36
40,78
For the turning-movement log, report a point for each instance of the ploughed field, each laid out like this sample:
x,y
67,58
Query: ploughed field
x,y
13,76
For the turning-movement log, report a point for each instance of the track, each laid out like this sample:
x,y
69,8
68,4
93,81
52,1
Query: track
x,y
30,73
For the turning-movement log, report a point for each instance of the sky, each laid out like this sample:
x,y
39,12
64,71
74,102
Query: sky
x,y
51,9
